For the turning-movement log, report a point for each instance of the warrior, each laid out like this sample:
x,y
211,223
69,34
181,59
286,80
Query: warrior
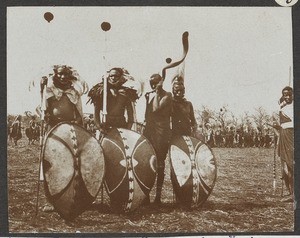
x,y
219,136
32,132
63,97
183,118
62,100
286,138
157,129
16,131
120,100
185,153
209,135
9,128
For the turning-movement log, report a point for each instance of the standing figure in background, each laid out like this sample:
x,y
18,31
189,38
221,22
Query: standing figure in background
x,y
157,129
218,136
247,137
199,133
63,97
9,128
268,139
252,137
209,135
183,118
231,137
120,101
258,137
32,132
239,137
16,129
286,139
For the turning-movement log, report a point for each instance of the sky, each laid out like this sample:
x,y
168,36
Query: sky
x,y
238,56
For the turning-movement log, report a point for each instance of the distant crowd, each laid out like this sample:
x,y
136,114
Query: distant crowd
x,y
20,125
214,136
231,137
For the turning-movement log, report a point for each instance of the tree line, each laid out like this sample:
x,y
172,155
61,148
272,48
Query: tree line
x,y
222,128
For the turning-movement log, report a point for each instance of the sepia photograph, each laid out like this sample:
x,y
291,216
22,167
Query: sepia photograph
x,y
150,120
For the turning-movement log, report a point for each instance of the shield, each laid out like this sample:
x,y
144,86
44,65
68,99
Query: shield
x,y
73,167
130,168
193,170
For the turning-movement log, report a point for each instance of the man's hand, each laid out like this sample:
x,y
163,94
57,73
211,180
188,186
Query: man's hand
x,y
147,96
102,129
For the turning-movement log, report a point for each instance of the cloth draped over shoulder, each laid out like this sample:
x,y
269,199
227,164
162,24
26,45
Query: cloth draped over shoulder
x,y
96,94
79,87
127,92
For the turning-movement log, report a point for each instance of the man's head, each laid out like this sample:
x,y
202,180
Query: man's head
x,y
63,77
287,94
178,90
155,79
115,77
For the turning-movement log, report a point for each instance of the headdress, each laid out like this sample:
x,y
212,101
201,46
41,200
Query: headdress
x,y
287,88
79,85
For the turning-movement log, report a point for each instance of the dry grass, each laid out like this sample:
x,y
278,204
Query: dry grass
x,y
242,200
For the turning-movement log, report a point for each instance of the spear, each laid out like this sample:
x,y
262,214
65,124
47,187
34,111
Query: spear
x,y
104,110
105,26
290,75
274,163
43,85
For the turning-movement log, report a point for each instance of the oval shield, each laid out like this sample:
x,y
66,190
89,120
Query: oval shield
x,y
73,167
193,170
130,168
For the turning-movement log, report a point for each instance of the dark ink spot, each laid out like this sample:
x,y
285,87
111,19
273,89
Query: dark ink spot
x,y
105,26
48,16
168,60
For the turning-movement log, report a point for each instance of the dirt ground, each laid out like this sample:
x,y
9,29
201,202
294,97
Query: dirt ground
x,y
242,200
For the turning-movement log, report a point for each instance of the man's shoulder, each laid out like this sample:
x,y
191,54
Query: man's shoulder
x,y
130,93
188,102
95,93
167,94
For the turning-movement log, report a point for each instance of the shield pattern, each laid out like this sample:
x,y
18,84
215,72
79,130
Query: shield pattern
x,y
130,168
73,168
193,170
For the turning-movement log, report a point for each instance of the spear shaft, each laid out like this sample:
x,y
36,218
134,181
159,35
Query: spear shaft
x,y
43,85
274,164
104,110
